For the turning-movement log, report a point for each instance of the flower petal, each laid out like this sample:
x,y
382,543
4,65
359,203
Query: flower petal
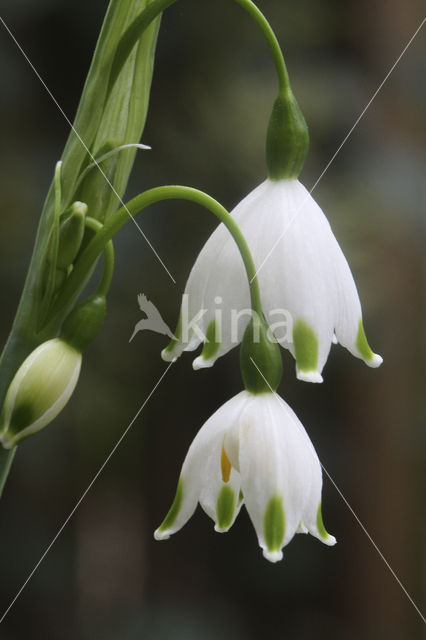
x,y
311,519
296,270
200,470
274,452
219,499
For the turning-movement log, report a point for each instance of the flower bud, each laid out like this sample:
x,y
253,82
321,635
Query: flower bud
x,y
39,391
71,234
84,322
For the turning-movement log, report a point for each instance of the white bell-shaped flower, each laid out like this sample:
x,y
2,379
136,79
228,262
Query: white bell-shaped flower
x,y
308,293
255,451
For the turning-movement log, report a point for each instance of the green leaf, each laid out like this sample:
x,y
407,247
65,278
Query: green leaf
x,y
100,119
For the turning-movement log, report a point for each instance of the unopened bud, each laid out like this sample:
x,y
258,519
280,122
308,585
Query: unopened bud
x,y
71,234
39,391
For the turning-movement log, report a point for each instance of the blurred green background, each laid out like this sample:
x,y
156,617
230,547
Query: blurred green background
x,y
214,83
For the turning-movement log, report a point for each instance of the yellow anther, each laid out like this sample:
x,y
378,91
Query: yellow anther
x,y
225,465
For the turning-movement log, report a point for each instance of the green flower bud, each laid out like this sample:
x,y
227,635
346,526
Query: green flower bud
x,y
46,380
260,358
39,391
287,139
84,322
71,234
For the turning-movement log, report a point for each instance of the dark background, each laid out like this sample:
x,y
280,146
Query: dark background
x,y
213,88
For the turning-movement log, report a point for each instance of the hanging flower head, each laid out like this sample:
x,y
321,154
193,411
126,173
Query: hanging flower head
x,y
253,451
308,293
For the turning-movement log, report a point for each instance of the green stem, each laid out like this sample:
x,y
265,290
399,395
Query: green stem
x,y
144,19
6,459
271,40
123,215
105,283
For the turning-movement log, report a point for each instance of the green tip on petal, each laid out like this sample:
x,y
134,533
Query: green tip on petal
x,y
274,529
212,343
163,532
168,353
325,536
364,349
306,352
225,508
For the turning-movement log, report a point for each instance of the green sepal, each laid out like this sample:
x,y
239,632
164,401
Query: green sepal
x,y
71,234
260,358
84,322
287,139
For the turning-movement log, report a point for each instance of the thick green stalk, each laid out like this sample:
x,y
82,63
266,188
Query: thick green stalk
x,y
92,121
103,121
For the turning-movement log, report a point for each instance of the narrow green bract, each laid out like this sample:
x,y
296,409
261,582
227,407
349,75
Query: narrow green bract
x,y
225,507
362,344
305,347
274,524
174,509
